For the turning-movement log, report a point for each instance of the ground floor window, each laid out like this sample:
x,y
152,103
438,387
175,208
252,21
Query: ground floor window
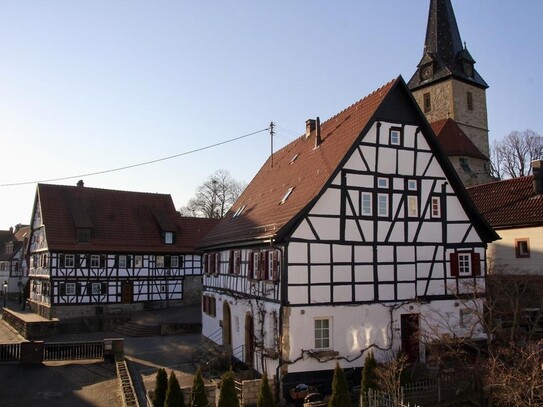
x,y
322,333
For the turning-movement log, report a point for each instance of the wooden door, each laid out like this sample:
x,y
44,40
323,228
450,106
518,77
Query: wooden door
x,y
127,292
410,326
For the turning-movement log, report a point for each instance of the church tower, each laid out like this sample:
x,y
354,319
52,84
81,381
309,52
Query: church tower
x,y
452,95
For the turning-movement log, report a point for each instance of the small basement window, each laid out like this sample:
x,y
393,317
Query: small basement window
x,y
522,248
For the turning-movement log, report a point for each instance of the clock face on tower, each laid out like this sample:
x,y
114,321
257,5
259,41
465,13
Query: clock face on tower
x,y
426,72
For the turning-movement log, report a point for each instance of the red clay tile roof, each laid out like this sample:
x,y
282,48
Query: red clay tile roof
x,y
509,203
121,221
263,216
453,140
306,169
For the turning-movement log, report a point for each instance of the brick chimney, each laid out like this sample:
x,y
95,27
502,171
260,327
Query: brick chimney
x,y
537,176
310,125
80,183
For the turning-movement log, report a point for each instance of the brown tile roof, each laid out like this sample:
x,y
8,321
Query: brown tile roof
x,y
509,203
453,140
121,221
307,170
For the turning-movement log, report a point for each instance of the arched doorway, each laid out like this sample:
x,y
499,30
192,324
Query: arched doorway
x,y
226,325
249,340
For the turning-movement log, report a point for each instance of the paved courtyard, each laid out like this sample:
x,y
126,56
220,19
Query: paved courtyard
x,y
94,383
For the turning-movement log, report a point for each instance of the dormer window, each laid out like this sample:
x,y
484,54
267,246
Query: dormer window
x,y
168,237
83,235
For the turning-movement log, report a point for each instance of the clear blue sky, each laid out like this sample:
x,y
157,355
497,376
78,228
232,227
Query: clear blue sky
x,y
87,86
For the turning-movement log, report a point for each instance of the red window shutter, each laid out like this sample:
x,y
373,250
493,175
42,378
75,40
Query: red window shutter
x,y
476,264
454,264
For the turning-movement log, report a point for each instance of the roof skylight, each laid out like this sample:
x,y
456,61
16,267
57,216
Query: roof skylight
x,y
289,191
239,211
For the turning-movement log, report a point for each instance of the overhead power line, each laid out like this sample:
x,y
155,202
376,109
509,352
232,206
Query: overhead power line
x,y
139,164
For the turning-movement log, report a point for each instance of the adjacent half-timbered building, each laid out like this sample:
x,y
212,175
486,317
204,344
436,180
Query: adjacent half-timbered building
x,y
96,251
358,235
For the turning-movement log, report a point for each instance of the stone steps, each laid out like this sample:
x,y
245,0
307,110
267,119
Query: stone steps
x,y
137,330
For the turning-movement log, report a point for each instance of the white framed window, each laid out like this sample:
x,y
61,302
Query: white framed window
x,y
69,261
412,206
412,185
466,318
70,288
138,261
96,288
160,261
382,205
366,205
382,182
122,262
174,261
395,137
464,263
436,207
254,271
168,237
522,248
322,333
95,261
271,266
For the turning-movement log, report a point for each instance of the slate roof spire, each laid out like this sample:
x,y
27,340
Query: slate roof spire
x,y
444,55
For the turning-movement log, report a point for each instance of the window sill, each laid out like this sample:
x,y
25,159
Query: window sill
x,y
325,353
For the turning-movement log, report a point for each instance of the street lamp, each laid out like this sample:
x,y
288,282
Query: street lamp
x,y
5,292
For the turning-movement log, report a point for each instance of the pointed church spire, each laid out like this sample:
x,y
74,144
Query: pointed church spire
x,y
444,56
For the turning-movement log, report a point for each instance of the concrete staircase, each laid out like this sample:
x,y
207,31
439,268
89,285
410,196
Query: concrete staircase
x,y
137,330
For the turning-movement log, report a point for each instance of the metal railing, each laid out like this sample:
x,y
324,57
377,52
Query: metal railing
x,y
10,352
239,353
73,350
376,398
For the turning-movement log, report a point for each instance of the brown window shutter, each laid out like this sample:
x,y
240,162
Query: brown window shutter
x,y
262,261
251,265
237,261
231,262
454,264
275,264
476,264
217,267
211,263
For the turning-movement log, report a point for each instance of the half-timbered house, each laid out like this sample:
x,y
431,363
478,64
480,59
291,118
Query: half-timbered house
x,y
13,265
349,238
98,251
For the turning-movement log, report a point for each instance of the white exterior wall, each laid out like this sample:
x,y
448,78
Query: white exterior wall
x,y
356,330
339,257
502,255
